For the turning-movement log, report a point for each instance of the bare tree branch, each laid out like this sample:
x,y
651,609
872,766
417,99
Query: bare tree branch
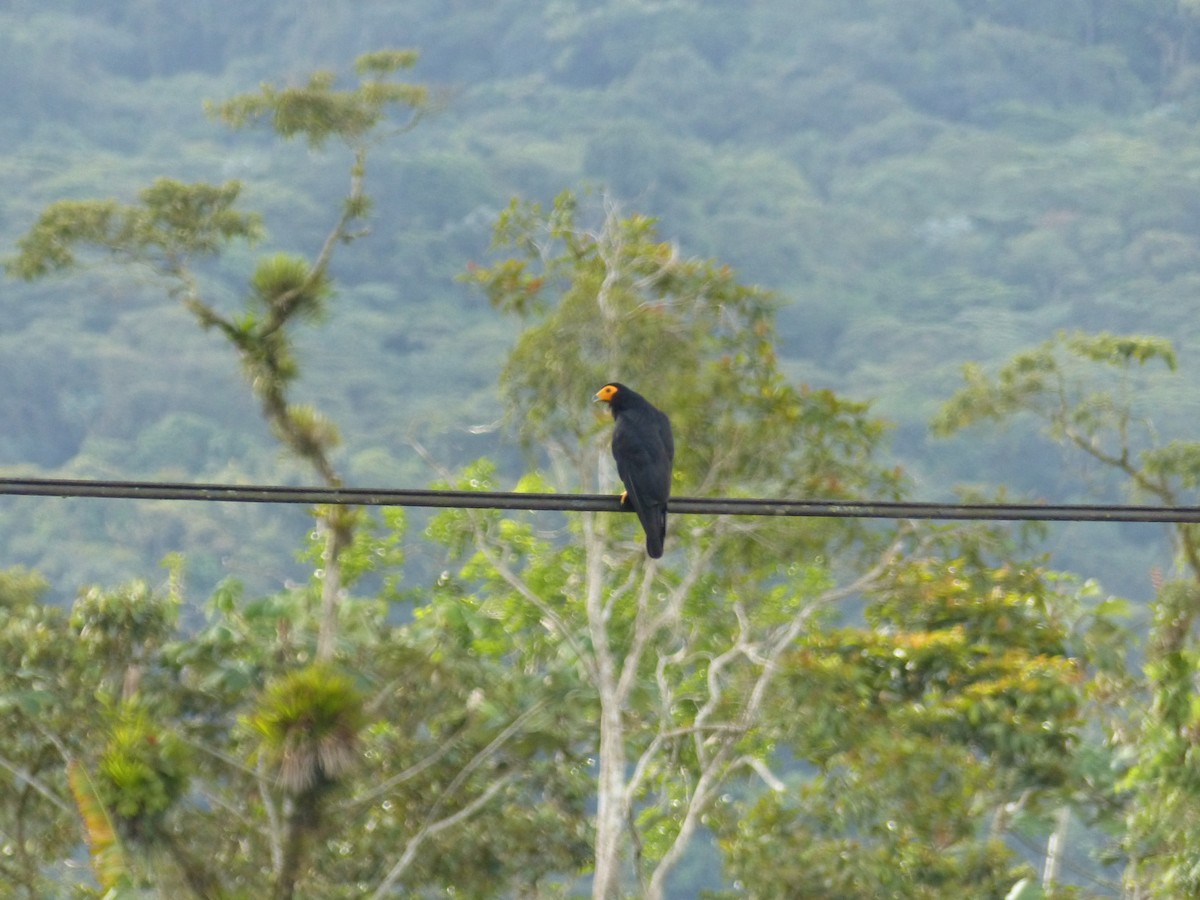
x,y
484,755
274,821
36,783
763,771
510,577
647,625
432,829
715,759
407,774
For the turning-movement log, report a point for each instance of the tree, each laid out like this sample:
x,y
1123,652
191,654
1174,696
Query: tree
x,y
174,223
690,667
221,762
953,716
296,720
35,812
1084,391
967,677
678,657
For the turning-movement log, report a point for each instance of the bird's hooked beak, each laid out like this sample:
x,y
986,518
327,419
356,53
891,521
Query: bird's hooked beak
x,y
605,394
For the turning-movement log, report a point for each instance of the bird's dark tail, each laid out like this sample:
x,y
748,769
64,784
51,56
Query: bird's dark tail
x,y
654,520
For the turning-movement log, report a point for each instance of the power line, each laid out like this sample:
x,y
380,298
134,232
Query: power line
x,y
727,506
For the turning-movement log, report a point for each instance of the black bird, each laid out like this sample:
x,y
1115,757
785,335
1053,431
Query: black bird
x,y
644,450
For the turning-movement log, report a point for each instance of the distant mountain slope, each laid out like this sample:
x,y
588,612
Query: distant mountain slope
x,y
924,183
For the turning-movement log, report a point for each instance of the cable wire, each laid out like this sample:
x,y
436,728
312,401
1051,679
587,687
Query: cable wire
x,y
727,506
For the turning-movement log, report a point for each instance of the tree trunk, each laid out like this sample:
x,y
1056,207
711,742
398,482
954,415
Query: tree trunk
x,y
612,796
301,819
612,802
331,588
1054,849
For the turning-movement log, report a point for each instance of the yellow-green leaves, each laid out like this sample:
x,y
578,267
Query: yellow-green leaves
x,y
283,283
143,769
385,62
964,689
1050,382
1122,350
308,722
50,245
318,111
171,220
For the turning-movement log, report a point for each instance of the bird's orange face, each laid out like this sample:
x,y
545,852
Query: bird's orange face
x,y
606,393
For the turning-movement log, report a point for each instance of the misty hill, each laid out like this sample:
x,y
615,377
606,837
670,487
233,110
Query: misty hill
x,y
923,184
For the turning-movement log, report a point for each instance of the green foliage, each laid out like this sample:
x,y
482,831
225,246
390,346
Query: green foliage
x,y
121,625
172,221
47,247
1164,817
309,722
896,820
317,111
412,728
614,302
143,769
964,689
1174,462
961,694
306,431
1158,798
975,658
275,758
1048,382
937,181
377,549
287,282
36,663
19,590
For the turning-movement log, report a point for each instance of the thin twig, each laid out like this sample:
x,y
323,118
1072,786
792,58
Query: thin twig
x,y
432,830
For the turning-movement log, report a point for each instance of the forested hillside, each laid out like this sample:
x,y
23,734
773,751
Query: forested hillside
x,y
922,183
827,208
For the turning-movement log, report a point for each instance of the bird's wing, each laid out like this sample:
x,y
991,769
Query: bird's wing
x,y
644,449
631,457
643,460
664,434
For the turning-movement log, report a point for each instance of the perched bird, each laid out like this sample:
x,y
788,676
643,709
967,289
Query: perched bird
x,y
644,450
